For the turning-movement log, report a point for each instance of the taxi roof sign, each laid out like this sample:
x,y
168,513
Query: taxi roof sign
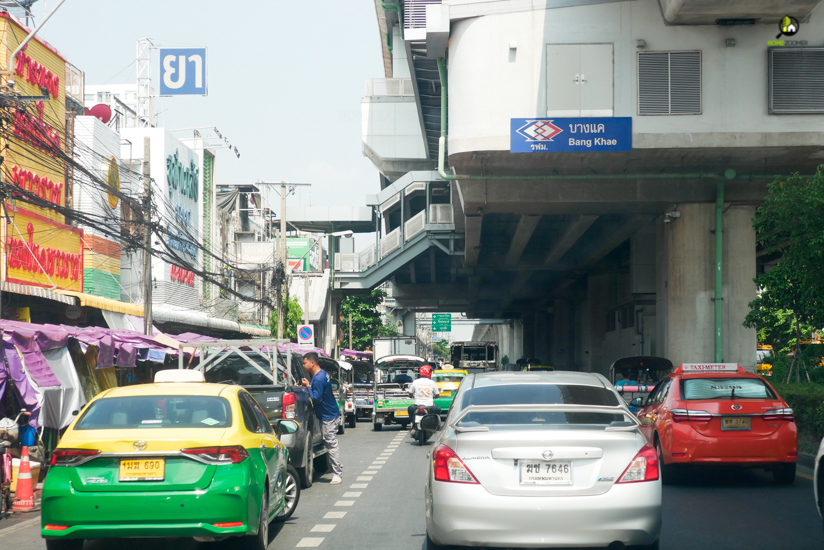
x,y
708,367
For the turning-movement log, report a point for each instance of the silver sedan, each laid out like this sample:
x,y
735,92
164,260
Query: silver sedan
x,y
549,459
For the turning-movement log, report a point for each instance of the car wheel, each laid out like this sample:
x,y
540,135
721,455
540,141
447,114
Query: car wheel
x,y
260,541
352,422
308,471
430,544
341,428
64,544
291,495
377,427
322,463
654,546
666,471
784,474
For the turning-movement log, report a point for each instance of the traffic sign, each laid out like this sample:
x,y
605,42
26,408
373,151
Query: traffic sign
x,y
182,71
306,336
441,322
570,135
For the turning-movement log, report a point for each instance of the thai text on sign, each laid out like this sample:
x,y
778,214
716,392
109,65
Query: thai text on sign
x,y
180,275
37,259
41,186
37,74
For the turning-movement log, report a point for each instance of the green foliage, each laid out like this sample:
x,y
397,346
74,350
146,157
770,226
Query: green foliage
x,y
789,222
807,402
388,330
366,320
294,317
441,349
504,360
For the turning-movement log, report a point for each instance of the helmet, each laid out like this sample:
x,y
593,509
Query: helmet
x,y
426,371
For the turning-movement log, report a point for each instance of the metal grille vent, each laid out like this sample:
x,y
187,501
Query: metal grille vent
x,y
796,80
414,13
669,83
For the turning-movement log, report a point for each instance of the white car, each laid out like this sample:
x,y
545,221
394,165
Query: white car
x,y
547,459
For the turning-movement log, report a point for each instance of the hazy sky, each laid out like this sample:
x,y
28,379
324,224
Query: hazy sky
x,y
285,80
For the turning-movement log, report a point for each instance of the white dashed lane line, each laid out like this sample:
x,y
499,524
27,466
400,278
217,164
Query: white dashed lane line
x,y
310,542
323,528
358,486
364,478
334,515
345,503
352,494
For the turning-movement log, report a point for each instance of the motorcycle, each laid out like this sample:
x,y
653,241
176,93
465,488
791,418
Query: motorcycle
x,y
425,424
9,435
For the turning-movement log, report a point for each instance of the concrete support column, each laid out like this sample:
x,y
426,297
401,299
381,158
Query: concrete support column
x,y
563,325
688,254
409,323
542,338
528,324
598,299
330,327
517,350
738,286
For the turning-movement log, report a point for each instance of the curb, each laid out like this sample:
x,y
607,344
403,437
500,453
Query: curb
x,y
808,461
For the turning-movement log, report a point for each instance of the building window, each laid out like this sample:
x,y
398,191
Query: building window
x,y
796,80
669,83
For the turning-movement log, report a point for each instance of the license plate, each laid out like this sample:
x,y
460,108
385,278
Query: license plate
x,y
401,413
418,419
540,472
736,423
446,393
145,469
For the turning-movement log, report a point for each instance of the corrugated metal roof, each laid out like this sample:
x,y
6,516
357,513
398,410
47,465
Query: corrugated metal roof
x,y
40,293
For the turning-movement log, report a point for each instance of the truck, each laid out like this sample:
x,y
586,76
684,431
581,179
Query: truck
x,y
394,345
475,357
258,367
393,376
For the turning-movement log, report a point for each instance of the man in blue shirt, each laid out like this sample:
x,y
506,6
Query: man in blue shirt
x,y
326,409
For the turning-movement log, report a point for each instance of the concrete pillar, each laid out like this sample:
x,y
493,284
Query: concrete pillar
x,y
409,323
583,337
598,300
689,257
529,336
563,325
738,286
542,338
330,326
517,340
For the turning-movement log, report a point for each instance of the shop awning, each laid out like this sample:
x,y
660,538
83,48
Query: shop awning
x,y
107,304
169,314
40,292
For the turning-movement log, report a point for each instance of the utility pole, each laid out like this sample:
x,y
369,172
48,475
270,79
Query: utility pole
x,y
350,331
147,239
306,298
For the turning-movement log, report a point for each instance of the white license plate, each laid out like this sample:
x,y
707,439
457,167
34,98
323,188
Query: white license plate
x,y
541,472
418,419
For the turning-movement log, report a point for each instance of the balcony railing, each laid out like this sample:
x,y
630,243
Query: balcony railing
x,y
397,87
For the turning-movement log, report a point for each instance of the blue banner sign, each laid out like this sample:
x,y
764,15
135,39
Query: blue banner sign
x,y
570,135
182,71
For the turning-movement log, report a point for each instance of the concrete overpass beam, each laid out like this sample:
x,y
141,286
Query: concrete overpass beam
x,y
526,226
576,229
473,240
409,323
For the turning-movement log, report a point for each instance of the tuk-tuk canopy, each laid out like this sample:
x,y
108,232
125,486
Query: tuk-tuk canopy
x,y
643,369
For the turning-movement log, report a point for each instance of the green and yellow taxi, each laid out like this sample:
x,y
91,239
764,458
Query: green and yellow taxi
x,y
447,380
177,458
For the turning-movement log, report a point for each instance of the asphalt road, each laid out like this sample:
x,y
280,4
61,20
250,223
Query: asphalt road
x,y
380,506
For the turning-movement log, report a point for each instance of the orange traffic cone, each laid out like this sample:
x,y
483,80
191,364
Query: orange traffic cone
x,y
24,497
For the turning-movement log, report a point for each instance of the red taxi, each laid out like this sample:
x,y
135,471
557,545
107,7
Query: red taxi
x,y
719,414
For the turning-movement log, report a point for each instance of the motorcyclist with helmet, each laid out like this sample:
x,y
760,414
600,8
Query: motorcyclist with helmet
x,y
424,390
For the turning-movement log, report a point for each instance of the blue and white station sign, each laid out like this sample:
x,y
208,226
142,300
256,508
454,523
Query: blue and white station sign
x,y
570,135
182,71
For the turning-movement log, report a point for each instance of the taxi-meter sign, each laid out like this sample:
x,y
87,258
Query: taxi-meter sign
x,y
306,336
709,367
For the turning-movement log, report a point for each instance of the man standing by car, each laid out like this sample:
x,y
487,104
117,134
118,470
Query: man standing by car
x,y
326,409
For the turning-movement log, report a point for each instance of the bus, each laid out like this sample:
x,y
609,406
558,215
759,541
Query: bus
x,y
475,357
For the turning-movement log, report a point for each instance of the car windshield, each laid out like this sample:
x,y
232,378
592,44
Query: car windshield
x,y
447,377
722,388
540,394
156,411
478,353
237,370
403,371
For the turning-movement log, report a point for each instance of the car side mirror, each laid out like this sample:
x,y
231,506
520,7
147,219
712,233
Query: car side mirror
x,y
637,402
431,423
75,413
286,427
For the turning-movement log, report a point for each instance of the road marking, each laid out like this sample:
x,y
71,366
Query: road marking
x,y
19,526
805,476
334,515
358,486
370,472
352,494
310,542
364,478
376,466
345,502
323,528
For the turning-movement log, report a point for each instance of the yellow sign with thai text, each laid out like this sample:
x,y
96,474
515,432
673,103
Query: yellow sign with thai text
x,y
41,252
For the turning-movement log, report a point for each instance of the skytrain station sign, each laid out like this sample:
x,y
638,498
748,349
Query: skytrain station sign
x,y
570,135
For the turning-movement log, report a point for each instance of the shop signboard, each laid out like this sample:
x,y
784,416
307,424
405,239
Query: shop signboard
x,y
36,135
570,135
42,252
298,252
183,71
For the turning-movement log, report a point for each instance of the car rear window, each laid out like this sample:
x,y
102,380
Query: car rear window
x,y
156,411
722,388
540,418
448,378
539,394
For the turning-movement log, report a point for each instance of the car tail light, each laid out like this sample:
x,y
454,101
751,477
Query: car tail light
x,y
644,467
448,467
228,525
71,457
779,414
220,455
55,527
289,401
683,415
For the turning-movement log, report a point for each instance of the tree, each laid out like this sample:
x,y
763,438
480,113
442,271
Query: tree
x,y
293,316
388,330
441,349
366,319
789,223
